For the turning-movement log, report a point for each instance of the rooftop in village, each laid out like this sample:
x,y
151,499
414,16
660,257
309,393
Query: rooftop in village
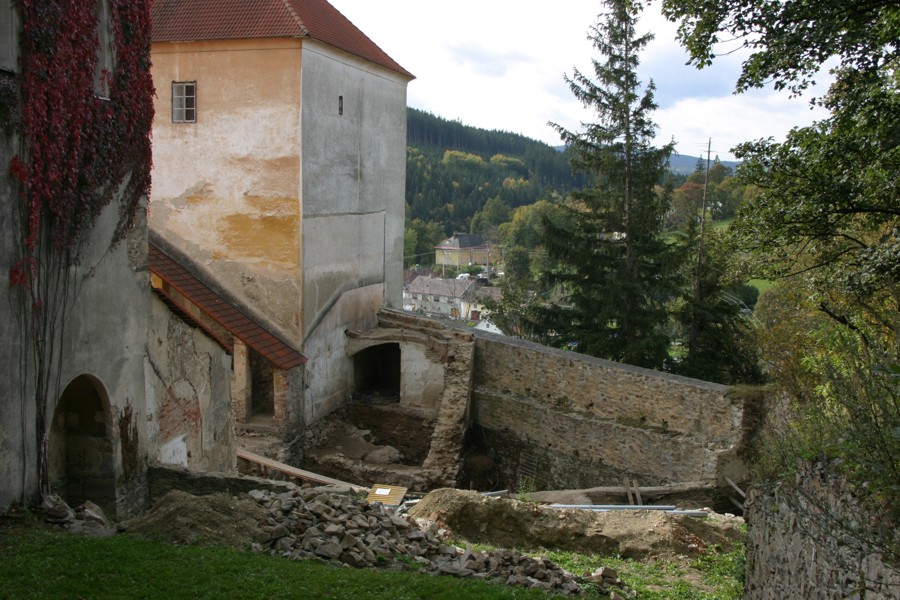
x,y
435,286
464,240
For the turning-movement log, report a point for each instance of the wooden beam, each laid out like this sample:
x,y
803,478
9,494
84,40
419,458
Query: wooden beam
x,y
268,464
735,486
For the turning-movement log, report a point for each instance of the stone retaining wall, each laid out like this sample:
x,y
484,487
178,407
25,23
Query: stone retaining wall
x,y
795,549
164,478
588,422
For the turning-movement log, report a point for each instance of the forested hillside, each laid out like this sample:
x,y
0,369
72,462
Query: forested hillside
x,y
462,178
453,170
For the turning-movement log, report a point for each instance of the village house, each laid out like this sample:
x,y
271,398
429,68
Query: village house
x,y
435,296
278,179
474,303
462,250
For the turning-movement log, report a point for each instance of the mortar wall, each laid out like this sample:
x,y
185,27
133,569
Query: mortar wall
x,y
591,418
807,539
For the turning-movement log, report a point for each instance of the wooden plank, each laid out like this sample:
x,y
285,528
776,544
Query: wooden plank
x,y
735,486
265,464
628,492
637,492
607,492
389,495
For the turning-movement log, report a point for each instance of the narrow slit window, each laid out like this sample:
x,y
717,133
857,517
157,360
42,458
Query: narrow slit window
x,y
184,101
340,105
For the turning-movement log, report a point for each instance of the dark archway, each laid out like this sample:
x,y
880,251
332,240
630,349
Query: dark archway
x,y
262,385
376,372
81,448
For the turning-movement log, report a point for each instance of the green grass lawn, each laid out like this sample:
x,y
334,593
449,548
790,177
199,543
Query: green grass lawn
x,y
37,562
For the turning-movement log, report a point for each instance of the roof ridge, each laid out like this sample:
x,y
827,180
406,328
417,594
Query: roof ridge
x,y
304,31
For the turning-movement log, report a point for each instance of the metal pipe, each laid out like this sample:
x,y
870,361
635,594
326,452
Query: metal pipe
x,y
614,506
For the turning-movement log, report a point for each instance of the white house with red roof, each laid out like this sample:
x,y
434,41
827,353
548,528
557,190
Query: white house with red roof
x,y
279,169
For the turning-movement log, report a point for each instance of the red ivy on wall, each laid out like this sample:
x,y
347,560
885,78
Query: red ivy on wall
x,y
80,151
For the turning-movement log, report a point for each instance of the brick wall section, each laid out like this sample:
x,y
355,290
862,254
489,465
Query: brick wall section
x,y
240,381
589,417
795,550
279,398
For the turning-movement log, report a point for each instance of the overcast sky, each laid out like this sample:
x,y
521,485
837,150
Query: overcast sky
x,y
499,64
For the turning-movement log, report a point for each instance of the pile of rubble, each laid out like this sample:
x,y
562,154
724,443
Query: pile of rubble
x,y
86,518
345,530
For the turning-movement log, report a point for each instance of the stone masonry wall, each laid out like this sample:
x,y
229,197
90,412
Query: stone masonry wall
x,y
588,420
453,350
190,419
795,549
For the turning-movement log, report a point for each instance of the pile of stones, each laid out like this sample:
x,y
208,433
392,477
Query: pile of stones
x,y
86,518
343,529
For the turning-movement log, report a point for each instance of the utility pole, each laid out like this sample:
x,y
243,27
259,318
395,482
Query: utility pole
x,y
698,267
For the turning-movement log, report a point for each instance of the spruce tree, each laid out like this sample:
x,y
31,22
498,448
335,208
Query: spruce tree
x,y
615,272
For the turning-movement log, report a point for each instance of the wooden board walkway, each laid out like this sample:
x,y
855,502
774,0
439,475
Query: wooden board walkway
x,y
266,466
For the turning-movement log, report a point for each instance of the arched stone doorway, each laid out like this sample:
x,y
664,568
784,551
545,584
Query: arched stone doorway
x,y
376,371
81,452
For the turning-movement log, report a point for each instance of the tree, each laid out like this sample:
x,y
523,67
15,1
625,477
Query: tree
x,y
419,241
827,202
825,217
718,341
789,41
615,270
495,213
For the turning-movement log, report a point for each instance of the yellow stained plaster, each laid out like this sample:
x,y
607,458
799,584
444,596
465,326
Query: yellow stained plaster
x,y
273,239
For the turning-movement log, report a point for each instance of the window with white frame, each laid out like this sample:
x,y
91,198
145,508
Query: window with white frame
x,y
184,101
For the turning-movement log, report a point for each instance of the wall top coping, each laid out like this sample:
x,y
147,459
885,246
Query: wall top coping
x,y
600,362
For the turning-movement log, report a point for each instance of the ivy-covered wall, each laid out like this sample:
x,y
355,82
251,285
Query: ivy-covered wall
x,y
75,115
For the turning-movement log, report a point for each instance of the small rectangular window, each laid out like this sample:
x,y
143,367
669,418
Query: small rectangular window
x,y
184,101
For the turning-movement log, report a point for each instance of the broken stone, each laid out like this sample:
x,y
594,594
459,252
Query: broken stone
x,y
91,512
383,455
56,510
330,550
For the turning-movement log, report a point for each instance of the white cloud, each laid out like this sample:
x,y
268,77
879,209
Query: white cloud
x,y
500,65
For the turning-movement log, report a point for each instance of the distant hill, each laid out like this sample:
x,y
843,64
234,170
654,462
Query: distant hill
x,y
682,164
546,166
453,169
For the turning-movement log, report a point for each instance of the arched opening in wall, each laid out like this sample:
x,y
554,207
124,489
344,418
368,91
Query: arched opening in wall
x,y
262,386
376,374
81,450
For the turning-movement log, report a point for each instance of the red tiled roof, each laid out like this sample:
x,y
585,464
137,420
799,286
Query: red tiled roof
x,y
222,312
194,20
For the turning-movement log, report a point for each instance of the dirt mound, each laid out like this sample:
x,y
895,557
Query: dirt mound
x,y
221,519
630,534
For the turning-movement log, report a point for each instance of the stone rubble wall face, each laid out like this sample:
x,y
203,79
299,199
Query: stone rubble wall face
x,y
794,550
658,456
589,417
588,420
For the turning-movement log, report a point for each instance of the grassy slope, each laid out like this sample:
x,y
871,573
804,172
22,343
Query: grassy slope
x,y
40,563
